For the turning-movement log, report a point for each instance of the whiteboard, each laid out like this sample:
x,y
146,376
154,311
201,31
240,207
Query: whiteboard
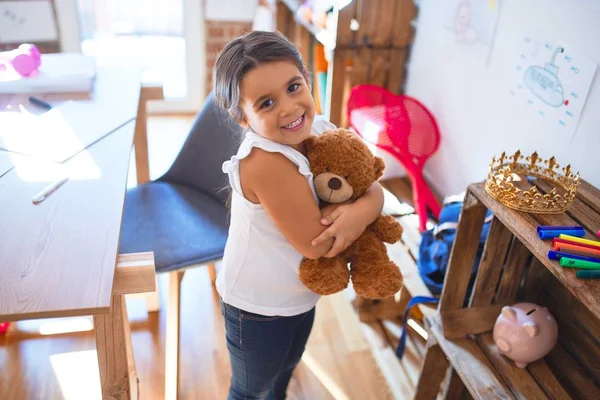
x,y
27,21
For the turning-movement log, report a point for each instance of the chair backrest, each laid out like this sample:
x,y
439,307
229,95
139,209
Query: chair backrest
x,y
213,139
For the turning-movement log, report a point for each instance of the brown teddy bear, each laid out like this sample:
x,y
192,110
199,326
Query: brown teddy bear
x,y
344,168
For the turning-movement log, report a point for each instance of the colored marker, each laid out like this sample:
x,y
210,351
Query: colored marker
x,y
588,274
571,248
580,240
568,241
559,227
598,233
579,264
557,255
548,232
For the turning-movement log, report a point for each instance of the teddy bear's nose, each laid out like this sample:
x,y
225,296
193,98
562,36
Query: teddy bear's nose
x,y
334,184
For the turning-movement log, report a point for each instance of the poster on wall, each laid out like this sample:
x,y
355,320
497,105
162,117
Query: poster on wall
x,y
472,21
552,81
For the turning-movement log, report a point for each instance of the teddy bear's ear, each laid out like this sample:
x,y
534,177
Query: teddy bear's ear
x,y
379,167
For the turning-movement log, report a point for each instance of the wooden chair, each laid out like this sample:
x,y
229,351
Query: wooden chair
x,y
182,216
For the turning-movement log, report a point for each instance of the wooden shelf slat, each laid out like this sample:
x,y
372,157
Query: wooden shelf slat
x,y
470,362
487,374
518,379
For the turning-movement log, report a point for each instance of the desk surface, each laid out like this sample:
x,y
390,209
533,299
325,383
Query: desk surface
x,y
58,257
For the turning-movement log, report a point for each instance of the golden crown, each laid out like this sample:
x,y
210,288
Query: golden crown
x,y
506,170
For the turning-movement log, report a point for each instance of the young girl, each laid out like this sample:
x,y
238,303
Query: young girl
x,y
261,81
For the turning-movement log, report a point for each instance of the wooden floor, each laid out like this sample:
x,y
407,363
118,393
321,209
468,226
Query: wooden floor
x,y
344,358
338,363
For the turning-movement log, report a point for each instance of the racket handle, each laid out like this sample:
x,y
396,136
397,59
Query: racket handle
x,y
424,199
432,203
419,200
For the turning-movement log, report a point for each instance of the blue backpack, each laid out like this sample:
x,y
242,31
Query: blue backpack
x,y
436,245
434,253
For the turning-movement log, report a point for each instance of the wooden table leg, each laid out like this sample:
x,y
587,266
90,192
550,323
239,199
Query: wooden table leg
x,y
142,164
134,273
118,377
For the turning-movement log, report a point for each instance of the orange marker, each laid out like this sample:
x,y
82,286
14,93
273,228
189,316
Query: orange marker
x,y
573,248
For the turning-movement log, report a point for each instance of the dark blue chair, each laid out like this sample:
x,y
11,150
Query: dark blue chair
x,y
182,216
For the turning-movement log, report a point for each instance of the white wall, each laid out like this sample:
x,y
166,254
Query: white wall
x,y
470,99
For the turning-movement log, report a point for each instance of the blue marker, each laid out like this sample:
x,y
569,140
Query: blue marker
x,y
557,255
549,232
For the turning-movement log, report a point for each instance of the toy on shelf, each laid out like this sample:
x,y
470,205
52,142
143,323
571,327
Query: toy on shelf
x,y
525,332
405,128
24,60
500,183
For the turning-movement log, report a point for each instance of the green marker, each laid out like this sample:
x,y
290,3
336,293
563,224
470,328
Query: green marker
x,y
579,264
589,274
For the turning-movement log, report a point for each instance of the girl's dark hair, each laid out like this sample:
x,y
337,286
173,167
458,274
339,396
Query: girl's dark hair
x,y
243,54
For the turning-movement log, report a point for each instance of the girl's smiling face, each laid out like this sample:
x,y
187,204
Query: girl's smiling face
x,y
277,103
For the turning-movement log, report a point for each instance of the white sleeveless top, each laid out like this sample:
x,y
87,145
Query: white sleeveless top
x,y
259,272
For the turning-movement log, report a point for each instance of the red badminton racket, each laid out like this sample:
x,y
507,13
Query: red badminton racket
x,y
404,127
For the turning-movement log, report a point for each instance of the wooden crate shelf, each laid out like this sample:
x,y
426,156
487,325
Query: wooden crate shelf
x,y
514,267
523,227
489,375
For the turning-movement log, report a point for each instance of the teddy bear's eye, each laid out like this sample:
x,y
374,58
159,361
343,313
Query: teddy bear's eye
x,y
346,177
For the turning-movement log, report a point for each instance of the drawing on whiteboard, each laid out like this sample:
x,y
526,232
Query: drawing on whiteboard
x,y
544,81
462,24
552,80
472,21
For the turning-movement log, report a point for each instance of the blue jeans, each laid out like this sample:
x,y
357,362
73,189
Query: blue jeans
x,y
263,351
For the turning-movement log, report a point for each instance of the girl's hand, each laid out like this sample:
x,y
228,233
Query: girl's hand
x,y
348,221
346,224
